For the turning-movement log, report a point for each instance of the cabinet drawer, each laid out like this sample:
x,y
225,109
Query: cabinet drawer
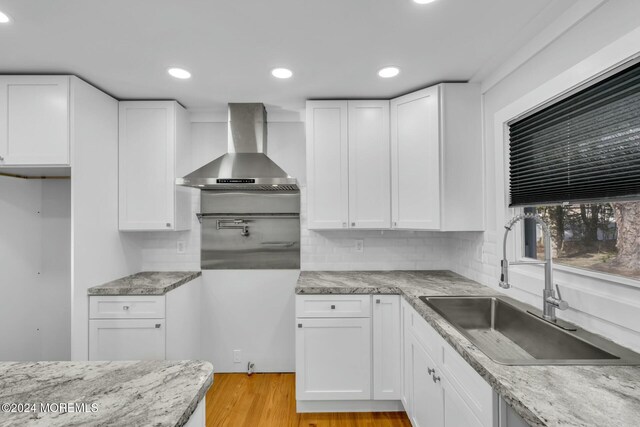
x,y
333,306
127,307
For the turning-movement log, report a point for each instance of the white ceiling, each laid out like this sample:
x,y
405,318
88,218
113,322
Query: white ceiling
x,y
334,47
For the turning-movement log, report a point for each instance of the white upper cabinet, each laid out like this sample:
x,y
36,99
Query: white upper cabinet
x,y
413,163
348,181
437,159
34,118
369,155
415,160
154,140
327,165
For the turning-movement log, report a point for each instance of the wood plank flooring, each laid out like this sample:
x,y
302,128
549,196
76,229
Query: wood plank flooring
x,y
269,400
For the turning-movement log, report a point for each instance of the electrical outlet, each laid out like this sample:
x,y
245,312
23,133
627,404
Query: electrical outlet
x,y
181,247
237,356
359,245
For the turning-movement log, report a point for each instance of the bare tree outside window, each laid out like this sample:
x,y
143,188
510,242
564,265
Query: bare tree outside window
x,y
604,237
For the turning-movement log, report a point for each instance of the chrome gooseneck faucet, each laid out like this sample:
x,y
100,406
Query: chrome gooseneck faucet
x,y
549,300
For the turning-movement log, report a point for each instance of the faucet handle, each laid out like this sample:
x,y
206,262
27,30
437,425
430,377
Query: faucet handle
x,y
558,291
560,303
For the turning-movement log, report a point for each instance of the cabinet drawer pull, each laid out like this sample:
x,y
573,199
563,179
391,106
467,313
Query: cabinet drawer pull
x,y
333,307
299,325
378,301
125,307
435,379
158,325
431,371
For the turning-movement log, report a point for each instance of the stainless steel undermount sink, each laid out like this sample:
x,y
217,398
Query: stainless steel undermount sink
x,y
508,333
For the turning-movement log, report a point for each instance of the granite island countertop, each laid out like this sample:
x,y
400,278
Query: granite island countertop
x,y
146,283
158,393
541,395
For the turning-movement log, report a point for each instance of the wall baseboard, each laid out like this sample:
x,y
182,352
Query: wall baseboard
x,y
312,406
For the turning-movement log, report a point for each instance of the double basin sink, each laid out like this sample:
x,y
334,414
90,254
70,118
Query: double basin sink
x,y
509,333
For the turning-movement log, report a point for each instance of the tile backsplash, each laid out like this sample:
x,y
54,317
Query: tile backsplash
x,y
320,250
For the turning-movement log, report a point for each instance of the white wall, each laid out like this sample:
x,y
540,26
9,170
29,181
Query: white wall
x,y
35,284
598,304
252,311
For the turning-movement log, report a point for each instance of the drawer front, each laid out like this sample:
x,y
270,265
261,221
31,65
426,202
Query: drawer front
x,y
333,306
127,307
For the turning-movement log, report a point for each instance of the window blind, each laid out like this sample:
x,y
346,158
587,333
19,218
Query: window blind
x,y
585,147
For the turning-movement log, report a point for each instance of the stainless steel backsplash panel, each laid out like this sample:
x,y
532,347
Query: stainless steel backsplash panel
x,y
250,230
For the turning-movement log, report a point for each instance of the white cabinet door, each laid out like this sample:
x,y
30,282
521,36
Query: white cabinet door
x,y
386,347
427,406
147,166
415,160
327,165
369,165
34,118
456,411
127,339
333,359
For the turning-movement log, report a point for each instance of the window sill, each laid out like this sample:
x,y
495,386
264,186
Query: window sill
x,y
581,272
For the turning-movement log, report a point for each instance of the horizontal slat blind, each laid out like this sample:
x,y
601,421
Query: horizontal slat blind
x,y
585,147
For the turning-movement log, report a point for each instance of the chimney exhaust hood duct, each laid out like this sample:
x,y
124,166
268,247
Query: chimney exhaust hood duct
x,y
246,165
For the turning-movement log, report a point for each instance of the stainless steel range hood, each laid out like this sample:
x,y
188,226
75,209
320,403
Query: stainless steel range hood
x,y
246,165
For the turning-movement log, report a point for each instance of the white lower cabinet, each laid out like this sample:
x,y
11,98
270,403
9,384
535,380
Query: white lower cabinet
x,y
456,412
198,418
386,347
440,388
127,339
335,359
146,327
378,350
348,348
405,357
427,409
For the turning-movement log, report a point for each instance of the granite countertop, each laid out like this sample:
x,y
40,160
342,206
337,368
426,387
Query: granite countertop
x,y
146,283
158,393
541,395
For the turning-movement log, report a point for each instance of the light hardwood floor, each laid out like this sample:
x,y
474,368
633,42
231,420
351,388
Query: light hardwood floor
x,y
269,400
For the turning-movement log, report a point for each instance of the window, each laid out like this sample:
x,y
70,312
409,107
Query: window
x,y
598,236
576,163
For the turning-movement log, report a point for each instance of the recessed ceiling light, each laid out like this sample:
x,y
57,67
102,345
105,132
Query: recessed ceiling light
x,y
281,73
388,72
4,18
179,73
423,1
